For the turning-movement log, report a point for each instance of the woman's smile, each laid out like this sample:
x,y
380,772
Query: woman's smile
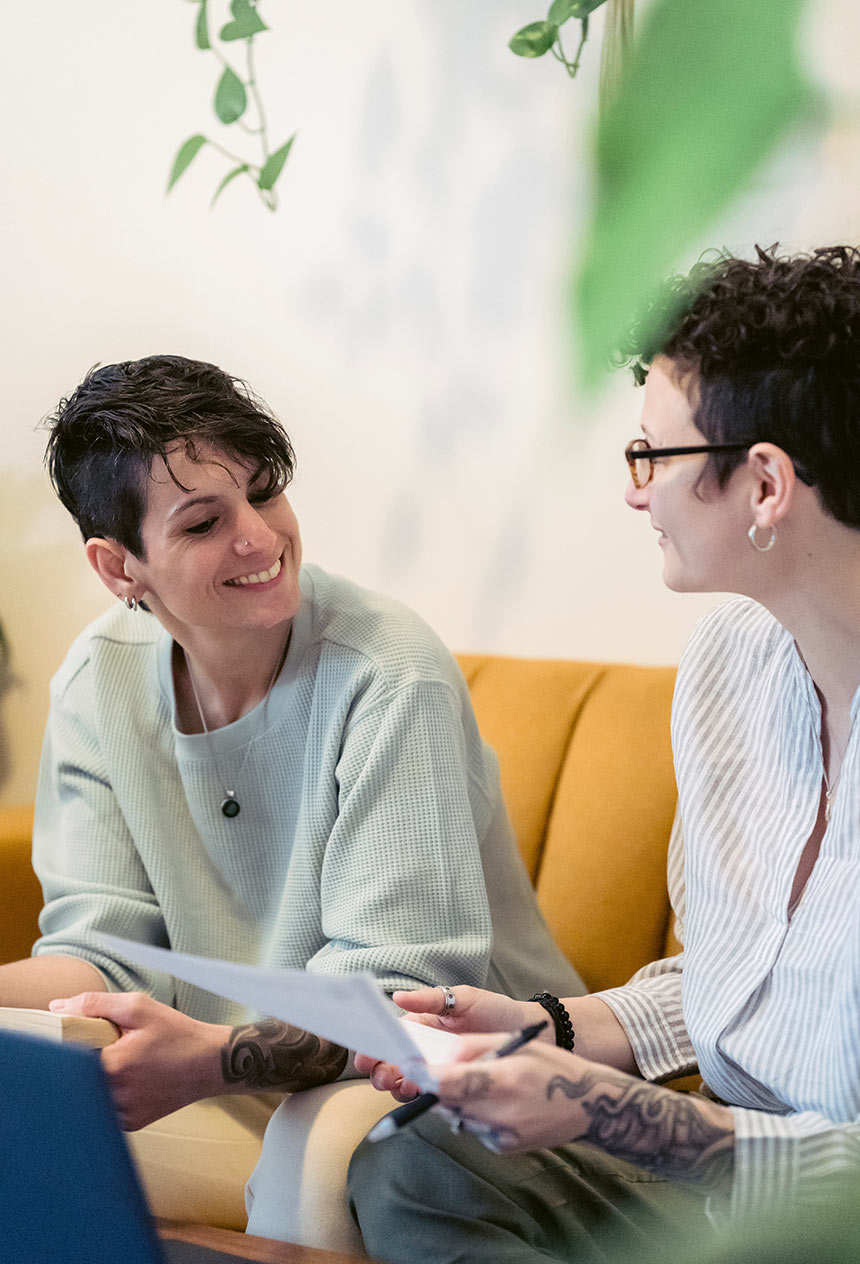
x,y
257,579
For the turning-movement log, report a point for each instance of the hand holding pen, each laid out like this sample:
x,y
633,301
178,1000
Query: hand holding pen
x,y
390,1123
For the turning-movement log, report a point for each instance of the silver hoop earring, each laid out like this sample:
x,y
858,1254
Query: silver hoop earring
x,y
130,603
753,539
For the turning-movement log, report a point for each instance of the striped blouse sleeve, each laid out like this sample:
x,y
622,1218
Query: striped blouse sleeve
x,y
782,1156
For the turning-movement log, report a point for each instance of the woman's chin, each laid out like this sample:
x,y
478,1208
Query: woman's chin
x,y
674,578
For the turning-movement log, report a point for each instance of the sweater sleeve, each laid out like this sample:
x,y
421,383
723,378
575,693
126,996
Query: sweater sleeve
x,y
402,888
84,856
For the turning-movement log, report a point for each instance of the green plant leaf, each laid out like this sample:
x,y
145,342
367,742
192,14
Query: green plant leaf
x,y
710,91
230,97
562,10
274,165
186,155
246,22
201,31
230,176
534,40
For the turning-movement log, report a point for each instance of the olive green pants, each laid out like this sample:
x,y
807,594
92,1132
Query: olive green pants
x,y
430,1196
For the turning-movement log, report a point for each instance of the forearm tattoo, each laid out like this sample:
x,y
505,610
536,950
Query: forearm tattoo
x,y
273,1055
668,1133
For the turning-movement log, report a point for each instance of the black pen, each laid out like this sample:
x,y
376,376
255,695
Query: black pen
x,y
411,1110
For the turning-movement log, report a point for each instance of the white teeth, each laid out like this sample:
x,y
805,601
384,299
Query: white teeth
x,y
260,578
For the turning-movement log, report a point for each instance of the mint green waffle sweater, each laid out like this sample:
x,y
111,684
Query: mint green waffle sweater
x,y
372,834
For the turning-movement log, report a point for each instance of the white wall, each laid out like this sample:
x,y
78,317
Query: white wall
x,y
404,311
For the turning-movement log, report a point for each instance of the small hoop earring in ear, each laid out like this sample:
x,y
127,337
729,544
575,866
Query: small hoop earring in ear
x,y
130,603
753,539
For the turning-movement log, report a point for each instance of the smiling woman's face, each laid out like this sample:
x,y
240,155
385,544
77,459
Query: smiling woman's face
x,y
702,532
218,556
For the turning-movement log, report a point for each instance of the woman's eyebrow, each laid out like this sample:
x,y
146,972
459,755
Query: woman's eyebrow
x,y
190,504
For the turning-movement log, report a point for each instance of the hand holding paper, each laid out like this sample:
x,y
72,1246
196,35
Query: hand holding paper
x,y
350,1010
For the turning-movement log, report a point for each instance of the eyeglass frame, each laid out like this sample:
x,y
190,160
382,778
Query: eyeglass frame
x,y
632,455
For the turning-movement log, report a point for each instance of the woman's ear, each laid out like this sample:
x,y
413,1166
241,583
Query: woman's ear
x,y
108,559
773,482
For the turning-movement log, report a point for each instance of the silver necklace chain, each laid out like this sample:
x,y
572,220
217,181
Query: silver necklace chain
x,y
830,790
830,787
230,806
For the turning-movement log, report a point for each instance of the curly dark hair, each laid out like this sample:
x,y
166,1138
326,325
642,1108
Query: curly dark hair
x,y
769,350
105,436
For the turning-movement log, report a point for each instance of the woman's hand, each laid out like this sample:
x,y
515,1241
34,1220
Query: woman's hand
x,y
515,1102
163,1059
542,1096
475,1010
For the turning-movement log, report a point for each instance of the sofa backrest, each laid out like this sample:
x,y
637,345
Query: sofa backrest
x,y
586,769
20,893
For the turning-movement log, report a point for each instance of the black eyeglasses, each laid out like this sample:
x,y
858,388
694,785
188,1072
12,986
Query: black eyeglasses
x,y
640,458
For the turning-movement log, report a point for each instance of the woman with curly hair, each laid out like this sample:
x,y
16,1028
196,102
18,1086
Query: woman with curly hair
x,y
749,469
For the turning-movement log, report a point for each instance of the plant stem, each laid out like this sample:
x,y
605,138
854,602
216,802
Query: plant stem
x,y
572,67
258,101
580,46
233,157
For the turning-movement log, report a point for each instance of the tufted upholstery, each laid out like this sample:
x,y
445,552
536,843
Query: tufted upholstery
x,y
587,775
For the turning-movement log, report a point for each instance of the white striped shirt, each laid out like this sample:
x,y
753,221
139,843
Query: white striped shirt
x,y
767,1005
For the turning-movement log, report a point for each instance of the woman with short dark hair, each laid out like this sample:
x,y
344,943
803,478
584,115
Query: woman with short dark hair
x,y
253,759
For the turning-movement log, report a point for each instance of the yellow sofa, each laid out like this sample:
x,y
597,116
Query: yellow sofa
x,y
587,775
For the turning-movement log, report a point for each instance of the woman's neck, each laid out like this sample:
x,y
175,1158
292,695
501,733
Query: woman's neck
x,y
812,586
216,684
824,620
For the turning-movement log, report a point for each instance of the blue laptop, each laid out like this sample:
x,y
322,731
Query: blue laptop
x,y
68,1187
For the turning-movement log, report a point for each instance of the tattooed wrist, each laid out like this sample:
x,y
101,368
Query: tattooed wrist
x,y
273,1055
671,1134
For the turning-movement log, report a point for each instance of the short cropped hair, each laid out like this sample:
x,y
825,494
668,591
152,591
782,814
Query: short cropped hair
x,y
769,350
105,436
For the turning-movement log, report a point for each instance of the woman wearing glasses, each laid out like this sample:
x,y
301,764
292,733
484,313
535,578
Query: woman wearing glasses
x,y
748,470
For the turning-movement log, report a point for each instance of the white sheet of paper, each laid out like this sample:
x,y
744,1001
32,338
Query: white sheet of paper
x,y
349,1009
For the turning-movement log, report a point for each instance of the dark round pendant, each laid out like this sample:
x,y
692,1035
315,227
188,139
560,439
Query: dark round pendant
x,y
230,806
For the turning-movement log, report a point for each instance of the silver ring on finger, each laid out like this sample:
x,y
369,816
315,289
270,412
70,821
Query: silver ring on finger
x,y
450,1000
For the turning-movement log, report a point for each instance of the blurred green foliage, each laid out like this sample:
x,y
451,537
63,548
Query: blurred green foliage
x,y
710,91
819,1229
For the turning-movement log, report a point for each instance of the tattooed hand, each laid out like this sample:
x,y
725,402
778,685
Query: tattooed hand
x,y
165,1060
542,1096
273,1055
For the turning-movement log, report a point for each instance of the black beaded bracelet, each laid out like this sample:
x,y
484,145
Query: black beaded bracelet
x,y
564,1033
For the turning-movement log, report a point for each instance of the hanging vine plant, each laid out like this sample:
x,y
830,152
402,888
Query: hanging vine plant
x,y
238,96
542,37
237,101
